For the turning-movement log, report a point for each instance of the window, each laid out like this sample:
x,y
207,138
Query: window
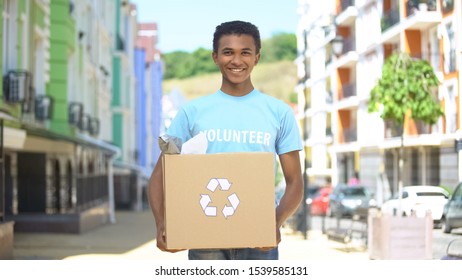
x,y
434,194
448,6
457,196
451,109
434,49
449,49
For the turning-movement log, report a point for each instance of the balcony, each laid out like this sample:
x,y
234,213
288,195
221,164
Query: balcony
x,y
348,45
17,88
392,130
349,135
415,6
93,126
448,6
421,14
43,107
89,124
348,90
423,128
389,19
347,14
344,4
76,114
84,124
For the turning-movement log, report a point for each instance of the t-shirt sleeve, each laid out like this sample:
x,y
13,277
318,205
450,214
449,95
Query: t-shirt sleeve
x,y
179,127
288,138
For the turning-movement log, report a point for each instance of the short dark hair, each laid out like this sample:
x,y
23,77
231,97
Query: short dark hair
x,y
236,27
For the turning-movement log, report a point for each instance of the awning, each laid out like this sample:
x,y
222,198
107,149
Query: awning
x,y
84,140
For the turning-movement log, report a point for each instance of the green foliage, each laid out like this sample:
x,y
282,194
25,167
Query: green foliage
x,y
181,65
282,46
448,189
293,97
406,86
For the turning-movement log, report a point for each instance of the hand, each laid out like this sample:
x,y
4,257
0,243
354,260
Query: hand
x,y
161,243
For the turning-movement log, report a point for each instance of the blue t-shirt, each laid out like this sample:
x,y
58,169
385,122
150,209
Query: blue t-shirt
x,y
255,122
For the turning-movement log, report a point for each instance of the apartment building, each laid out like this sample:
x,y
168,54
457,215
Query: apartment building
x,y
342,47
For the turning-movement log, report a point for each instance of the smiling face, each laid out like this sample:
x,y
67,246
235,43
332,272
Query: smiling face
x,y
236,56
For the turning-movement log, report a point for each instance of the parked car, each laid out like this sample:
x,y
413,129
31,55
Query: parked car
x,y
349,200
452,211
319,201
417,200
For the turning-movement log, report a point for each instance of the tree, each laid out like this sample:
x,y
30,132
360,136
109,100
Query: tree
x,y
405,89
281,46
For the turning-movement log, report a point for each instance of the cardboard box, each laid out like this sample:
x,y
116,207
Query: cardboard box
x,y
222,200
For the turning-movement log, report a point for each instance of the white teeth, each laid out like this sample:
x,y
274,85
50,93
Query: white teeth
x,y
237,70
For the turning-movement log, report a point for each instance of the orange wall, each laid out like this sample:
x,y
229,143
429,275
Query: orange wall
x,y
386,5
344,31
344,119
343,78
387,50
413,42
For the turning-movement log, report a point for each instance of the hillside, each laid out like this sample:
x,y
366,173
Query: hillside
x,y
277,79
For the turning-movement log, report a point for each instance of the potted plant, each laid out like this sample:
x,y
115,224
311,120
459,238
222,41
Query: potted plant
x,y
423,5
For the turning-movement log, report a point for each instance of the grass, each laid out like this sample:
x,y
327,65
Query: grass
x,y
277,79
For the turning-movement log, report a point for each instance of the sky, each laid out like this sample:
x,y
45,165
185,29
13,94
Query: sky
x,y
185,25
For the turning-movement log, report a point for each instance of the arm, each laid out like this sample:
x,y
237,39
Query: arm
x,y
156,201
290,164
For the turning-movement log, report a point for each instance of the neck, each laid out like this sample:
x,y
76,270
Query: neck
x,y
237,89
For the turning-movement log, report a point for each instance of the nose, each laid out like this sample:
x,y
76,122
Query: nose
x,y
236,59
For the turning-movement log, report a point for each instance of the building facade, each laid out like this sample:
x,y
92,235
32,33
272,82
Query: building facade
x,y
341,137
67,115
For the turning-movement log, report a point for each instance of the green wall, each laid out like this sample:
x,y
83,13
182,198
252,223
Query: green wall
x,y
62,42
117,131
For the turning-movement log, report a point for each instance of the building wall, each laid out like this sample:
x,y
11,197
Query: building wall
x,y
141,108
157,78
431,35
1,50
371,166
449,167
62,36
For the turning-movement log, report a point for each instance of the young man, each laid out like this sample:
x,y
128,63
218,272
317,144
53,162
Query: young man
x,y
238,108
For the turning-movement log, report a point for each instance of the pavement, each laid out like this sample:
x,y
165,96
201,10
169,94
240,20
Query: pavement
x,y
132,237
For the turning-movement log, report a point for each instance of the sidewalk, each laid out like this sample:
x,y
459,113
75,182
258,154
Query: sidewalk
x,y
132,237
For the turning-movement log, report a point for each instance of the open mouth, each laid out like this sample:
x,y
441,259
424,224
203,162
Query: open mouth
x,y
236,70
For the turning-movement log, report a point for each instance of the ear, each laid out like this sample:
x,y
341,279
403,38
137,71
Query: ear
x,y
257,58
215,57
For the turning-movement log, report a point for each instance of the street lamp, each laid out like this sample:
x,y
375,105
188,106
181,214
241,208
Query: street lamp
x,y
337,45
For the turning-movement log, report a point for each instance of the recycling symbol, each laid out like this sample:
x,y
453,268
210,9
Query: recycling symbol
x,y
205,200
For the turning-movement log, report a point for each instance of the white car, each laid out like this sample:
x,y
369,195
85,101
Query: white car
x,y
417,200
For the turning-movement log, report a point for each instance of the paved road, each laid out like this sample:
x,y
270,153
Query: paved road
x,y
132,237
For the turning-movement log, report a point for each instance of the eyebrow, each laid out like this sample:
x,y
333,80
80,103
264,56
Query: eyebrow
x,y
230,49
